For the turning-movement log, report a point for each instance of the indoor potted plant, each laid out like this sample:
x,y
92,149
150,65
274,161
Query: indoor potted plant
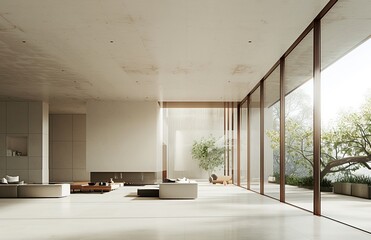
x,y
209,155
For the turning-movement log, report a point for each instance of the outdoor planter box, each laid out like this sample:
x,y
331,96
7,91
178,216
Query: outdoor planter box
x,y
343,188
361,190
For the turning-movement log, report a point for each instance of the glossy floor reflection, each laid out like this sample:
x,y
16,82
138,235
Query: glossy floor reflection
x,y
220,212
346,209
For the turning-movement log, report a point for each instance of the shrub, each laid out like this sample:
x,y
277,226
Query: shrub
x,y
354,179
326,183
303,181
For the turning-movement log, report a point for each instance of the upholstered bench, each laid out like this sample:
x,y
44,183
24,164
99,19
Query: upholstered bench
x,y
43,190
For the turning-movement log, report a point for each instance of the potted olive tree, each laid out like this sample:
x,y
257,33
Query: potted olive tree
x,y
208,154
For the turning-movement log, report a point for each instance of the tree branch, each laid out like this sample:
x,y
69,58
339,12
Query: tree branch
x,y
350,160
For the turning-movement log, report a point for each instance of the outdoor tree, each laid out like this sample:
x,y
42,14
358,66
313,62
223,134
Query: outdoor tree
x,y
298,121
345,147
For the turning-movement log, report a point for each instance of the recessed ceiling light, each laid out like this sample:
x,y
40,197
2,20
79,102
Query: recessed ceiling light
x,y
250,41
24,41
111,41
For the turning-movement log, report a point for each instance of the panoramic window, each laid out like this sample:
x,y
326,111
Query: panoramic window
x,y
272,134
254,116
346,113
299,124
234,160
345,160
243,146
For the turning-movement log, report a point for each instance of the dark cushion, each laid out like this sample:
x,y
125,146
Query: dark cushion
x,y
214,177
167,180
149,192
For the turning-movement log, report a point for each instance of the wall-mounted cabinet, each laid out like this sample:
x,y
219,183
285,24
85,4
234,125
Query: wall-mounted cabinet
x,y
16,146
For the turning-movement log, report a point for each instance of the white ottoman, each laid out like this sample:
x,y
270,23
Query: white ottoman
x,y
178,190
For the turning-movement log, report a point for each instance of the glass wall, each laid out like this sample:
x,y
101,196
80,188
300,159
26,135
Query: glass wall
x,y
299,124
346,113
254,119
345,77
234,144
243,145
230,123
185,126
272,134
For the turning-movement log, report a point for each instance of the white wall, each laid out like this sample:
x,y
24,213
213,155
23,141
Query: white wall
x,y
122,136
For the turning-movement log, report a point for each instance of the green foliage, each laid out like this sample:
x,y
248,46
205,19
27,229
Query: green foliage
x,y
326,183
293,180
349,138
277,176
305,181
209,156
354,179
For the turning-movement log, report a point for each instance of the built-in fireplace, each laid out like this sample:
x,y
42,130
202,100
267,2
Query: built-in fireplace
x,y
129,178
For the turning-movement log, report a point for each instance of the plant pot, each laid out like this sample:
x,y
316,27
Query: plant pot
x,y
337,188
360,190
343,188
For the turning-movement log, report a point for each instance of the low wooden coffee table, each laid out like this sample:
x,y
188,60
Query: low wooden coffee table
x,y
85,187
100,188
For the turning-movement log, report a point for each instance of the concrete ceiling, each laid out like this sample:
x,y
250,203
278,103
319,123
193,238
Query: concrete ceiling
x,y
71,51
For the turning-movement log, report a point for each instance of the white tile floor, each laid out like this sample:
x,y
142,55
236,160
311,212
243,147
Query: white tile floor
x,y
220,212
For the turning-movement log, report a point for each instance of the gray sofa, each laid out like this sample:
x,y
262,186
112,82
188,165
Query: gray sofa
x,y
34,190
8,190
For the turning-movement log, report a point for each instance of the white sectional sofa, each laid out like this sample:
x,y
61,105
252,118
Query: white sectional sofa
x,y
43,190
34,190
178,190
